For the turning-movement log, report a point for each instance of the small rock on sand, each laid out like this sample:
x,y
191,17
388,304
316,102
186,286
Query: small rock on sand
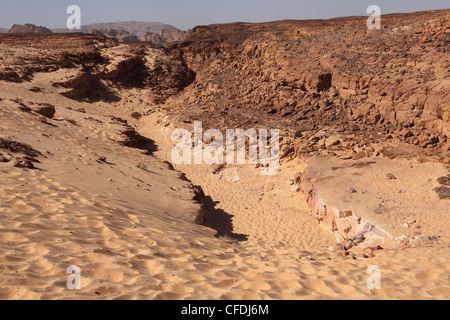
x,y
390,176
359,155
215,169
443,193
47,111
445,181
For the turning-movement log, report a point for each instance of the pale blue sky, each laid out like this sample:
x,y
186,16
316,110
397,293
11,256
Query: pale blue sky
x,y
186,14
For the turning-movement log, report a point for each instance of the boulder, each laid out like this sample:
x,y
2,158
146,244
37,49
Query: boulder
x,y
46,110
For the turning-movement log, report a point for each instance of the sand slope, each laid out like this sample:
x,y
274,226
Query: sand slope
x,y
124,227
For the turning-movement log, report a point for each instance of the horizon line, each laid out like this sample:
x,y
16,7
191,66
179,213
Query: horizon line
x,y
234,22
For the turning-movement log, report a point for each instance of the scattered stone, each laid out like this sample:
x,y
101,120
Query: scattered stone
x,y
361,256
347,244
359,239
445,181
199,194
24,108
347,156
136,115
381,209
443,193
72,121
3,159
42,119
296,182
286,152
35,89
352,190
390,176
359,155
376,248
332,141
215,169
406,133
339,247
47,111
25,162
119,120
298,177
18,147
298,134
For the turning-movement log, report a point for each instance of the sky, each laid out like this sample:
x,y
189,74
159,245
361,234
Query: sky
x,y
186,14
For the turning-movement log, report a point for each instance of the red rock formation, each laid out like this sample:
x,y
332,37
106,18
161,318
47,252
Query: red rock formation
x,y
165,36
119,35
28,28
331,75
25,54
329,85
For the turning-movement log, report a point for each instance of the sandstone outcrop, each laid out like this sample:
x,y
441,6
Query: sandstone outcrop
x,y
165,36
47,53
28,28
330,86
46,110
119,35
135,28
333,77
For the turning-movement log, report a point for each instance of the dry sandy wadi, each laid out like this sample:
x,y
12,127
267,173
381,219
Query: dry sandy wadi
x,y
86,177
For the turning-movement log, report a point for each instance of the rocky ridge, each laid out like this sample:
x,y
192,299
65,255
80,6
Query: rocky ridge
x,y
119,35
28,28
165,36
332,86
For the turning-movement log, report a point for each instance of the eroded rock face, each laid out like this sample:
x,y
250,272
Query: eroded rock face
x,y
329,85
119,35
165,36
333,75
90,65
25,54
46,110
28,28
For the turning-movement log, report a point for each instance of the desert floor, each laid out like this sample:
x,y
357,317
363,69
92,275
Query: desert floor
x,y
125,221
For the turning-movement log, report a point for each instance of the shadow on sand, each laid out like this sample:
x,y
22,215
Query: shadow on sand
x,y
220,221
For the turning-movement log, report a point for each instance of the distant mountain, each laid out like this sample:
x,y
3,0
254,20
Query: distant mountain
x,y
120,35
28,28
130,31
165,36
136,28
